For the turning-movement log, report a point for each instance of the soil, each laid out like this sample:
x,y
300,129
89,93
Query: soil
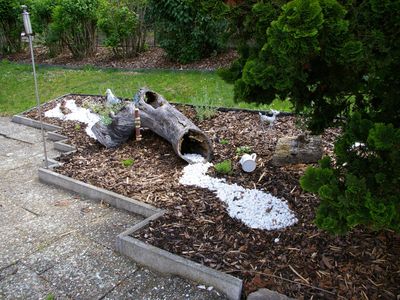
x,y
300,261
154,58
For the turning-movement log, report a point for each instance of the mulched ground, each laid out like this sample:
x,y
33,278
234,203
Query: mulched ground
x,y
154,58
305,263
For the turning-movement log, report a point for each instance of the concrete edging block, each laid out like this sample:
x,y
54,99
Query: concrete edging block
x,y
166,262
96,193
33,123
62,147
56,137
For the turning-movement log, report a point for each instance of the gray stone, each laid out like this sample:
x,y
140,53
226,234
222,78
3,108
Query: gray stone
x,y
297,150
266,294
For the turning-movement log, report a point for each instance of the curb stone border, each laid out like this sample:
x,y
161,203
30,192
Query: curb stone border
x,y
143,253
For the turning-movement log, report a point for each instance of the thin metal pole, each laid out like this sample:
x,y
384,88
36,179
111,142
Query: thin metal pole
x,y
46,163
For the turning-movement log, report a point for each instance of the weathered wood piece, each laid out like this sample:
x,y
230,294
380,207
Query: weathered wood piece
x,y
119,131
297,149
160,117
165,120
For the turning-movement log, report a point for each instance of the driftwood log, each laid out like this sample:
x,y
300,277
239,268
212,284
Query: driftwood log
x,y
160,117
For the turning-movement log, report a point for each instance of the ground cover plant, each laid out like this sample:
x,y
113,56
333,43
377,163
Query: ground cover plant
x,y
300,260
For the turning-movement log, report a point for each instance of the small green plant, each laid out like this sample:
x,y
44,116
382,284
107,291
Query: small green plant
x,y
77,127
224,142
242,150
128,162
205,112
102,110
50,297
106,120
224,167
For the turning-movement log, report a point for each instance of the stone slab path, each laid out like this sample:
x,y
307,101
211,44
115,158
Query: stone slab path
x,y
57,245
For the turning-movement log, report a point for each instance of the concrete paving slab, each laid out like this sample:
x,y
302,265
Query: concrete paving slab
x,y
19,282
55,253
90,274
62,219
11,214
14,245
105,230
19,132
144,284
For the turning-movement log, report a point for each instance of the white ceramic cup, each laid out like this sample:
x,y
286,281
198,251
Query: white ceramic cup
x,y
248,162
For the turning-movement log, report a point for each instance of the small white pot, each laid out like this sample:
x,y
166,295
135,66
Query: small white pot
x,y
248,162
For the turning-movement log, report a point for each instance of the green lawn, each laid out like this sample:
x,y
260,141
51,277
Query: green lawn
x,y
206,88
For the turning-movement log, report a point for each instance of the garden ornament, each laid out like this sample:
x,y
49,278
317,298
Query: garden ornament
x,y
111,99
270,119
248,162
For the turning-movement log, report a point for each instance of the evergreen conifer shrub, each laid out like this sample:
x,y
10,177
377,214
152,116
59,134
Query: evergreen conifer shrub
x,y
335,59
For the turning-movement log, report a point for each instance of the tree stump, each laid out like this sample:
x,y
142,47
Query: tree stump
x,y
297,150
160,117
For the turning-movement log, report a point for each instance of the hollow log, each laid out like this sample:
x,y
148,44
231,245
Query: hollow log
x,y
166,121
160,117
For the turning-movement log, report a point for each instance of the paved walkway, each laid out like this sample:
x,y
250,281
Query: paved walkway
x,y
57,245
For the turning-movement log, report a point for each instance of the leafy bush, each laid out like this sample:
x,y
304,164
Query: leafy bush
x,y
11,26
189,30
74,23
124,26
364,187
41,12
224,167
333,59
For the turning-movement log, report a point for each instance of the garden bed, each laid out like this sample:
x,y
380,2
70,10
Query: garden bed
x,y
299,261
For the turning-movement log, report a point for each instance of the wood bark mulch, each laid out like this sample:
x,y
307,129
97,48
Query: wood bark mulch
x,y
300,261
153,58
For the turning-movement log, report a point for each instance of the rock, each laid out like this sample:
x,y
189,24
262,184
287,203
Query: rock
x,y
297,150
266,294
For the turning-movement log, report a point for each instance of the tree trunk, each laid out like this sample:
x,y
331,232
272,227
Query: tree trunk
x,y
160,117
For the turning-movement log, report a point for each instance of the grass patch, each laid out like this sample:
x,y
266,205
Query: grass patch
x,y
200,88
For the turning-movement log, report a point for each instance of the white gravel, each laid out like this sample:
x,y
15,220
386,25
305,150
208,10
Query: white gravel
x,y
77,114
253,207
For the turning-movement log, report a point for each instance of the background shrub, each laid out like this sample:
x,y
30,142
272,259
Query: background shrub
x,y
74,24
11,26
123,23
41,17
189,30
